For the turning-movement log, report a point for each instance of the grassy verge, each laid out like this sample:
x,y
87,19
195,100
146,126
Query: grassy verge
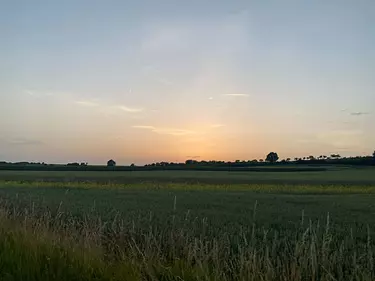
x,y
48,245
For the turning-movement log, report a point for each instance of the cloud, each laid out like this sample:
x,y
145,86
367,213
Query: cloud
x,y
359,113
107,107
225,37
165,131
24,141
164,81
172,131
144,127
236,95
30,93
129,109
87,103
37,94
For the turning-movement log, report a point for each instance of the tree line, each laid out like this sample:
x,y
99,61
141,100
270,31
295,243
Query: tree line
x,y
271,158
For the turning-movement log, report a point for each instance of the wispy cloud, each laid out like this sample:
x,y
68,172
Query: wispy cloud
x,y
30,93
164,81
144,127
129,109
236,95
165,131
173,132
87,103
37,94
359,113
23,141
105,106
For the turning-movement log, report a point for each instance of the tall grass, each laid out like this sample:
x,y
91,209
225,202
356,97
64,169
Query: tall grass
x,y
41,244
153,185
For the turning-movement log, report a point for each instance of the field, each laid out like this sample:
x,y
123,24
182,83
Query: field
x,y
186,225
334,175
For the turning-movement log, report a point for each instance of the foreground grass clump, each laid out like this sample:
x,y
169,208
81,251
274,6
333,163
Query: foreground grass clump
x,y
37,244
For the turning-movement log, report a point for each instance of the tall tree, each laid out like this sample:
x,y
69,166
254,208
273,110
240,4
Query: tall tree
x,y
272,157
111,163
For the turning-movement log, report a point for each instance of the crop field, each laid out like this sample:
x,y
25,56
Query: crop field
x,y
332,175
186,225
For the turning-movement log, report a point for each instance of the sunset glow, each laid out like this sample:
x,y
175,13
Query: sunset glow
x,y
147,81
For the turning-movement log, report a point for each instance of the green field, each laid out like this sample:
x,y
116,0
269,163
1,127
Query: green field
x,y
187,225
333,175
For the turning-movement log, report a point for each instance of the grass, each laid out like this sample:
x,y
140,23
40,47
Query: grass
x,y
278,205
96,230
333,175
48,245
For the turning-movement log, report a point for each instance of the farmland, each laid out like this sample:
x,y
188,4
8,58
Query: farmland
x,y
188,225
330,175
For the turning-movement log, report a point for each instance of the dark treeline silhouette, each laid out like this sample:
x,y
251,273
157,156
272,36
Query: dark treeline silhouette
x,y
77,164
270,163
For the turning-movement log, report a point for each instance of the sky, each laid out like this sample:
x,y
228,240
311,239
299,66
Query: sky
x,y
168,80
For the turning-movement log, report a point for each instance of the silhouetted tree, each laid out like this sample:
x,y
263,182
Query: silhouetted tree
x,y
272,157
287,159
335,156
261,160
111,163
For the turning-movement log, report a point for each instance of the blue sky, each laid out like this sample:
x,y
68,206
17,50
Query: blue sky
x,y
144,81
